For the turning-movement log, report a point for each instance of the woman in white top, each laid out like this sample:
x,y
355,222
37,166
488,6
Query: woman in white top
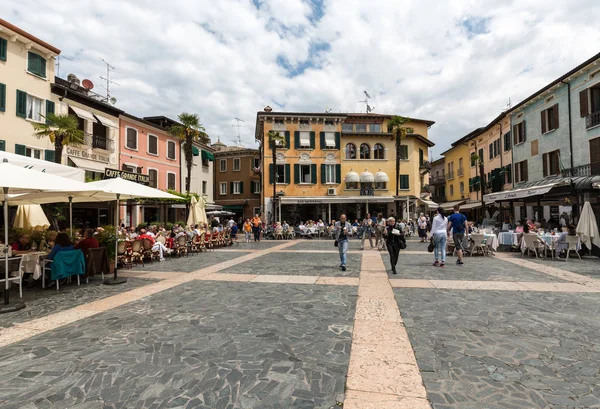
x,y
439,230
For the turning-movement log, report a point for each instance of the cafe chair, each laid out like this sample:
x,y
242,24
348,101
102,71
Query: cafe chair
x,y
532,243
65,265
15,265
279,233
96,262
478,242
571,243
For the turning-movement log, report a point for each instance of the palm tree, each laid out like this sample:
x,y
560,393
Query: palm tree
x,y
400,131
62,131
274,140
189,129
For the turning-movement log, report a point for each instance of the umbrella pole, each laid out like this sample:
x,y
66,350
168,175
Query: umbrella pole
x,y
115,280
7,307
71,216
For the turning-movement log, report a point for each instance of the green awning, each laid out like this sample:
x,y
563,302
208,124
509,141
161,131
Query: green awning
x,y
208,156
195,151
233,207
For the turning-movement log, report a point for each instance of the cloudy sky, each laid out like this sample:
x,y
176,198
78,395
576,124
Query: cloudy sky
x,y
456,62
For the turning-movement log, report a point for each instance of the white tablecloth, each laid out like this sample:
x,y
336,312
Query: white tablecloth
x,y
32,264
492,241
508,239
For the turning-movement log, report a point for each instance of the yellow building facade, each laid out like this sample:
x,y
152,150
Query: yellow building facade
x,y
338,163
457,173
26,73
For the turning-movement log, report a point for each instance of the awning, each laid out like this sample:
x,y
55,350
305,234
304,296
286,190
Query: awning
x,y
470,206
233,207
335,199
83,114
89,164
430,204
107,122
596,185
381,177
352,177
206,155
523,192
304,138
367,177
450,205
330,139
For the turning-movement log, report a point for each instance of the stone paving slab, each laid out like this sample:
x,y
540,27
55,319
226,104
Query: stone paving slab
x,y
190,263
418,266
293,263
239,345
41,303
260,245
324,244
498,350
588,266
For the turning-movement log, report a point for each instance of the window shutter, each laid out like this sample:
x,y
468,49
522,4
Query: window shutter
x,y
313,174
287,139
509,173
312,140
515,131
337,140
3,49
491,151
338,172
524,130
584,109
241,187
49,109
555,116
2,145
544,114
525,171
545,164
20,149
21,104
49,155
296,139
252,186
287,173
32,63
231,187
296,173
322,138
323,175
41,66
271,173
2,97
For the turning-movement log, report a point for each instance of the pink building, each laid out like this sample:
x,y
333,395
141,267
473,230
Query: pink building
x,y
147,148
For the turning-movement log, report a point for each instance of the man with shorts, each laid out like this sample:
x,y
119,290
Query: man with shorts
x,y
457,222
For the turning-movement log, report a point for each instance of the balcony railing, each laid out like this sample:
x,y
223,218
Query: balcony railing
x,y
450,175
592,120
437,180
460,172
279,126
425,165
305,126
583,170
99,142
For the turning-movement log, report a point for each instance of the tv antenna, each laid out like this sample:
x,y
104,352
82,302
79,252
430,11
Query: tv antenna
x,y
238,126
508,105
366,101
58,63
108,81
327,110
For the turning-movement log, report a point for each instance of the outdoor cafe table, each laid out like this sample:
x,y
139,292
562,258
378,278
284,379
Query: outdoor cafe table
x,y
507,238
491,240
32,263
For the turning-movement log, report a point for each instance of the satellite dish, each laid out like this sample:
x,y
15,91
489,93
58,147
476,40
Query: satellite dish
x,y
113,100
87,84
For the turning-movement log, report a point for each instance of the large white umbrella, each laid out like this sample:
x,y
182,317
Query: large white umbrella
x,y
197,212
15,180
587,228
30,216
101,191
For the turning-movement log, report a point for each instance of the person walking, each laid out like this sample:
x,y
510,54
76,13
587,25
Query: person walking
x,y
439,229
422,227
393,237
342,231
247,229
457,222
367,231
256,225
380,227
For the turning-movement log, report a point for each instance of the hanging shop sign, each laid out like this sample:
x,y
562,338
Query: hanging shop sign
x,y
133,177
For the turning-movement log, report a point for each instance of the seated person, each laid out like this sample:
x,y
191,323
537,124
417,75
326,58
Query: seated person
x,y
89,242
156,245
519,228
63,243
21,245
523,232
561,246
531,225
285,226
301,226
234,231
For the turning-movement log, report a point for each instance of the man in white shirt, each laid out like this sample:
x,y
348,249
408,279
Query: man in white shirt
x,y
230,223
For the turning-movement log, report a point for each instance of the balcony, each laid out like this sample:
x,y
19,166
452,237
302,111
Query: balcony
x,y
592,120
279,126
437,180
460,172
99,142
425,165
305,126
450,175
583,170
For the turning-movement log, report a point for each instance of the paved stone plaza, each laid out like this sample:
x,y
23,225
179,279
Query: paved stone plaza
x,y
277,324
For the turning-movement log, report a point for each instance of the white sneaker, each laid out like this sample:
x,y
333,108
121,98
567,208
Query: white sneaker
x,y
162,259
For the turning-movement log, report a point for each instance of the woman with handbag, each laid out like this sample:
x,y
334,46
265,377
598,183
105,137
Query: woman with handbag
x,y
439,230
394,240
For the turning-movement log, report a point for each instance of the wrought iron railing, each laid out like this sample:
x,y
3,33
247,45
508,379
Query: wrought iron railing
x,y
98,142
592,120
583,170
450,175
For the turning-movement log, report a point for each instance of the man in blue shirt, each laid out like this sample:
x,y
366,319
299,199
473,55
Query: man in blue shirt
x,y
457,222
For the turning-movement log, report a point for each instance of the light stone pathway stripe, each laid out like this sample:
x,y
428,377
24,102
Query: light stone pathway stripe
x,y
552,271
27,329
493,285
383,371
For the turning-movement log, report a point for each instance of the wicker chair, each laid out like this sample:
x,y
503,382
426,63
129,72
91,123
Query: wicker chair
x,y
181,245
196,243
137,252
208,243
148,252
124,254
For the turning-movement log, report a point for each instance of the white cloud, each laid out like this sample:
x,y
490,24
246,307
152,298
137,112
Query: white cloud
x,y
220,58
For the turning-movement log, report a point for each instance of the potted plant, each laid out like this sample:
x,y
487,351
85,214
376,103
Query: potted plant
x,y
107,238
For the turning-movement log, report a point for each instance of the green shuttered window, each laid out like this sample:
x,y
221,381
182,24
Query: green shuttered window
x,y
3,49
21,104
2,97
49,155
2,145
36,64
404,182
20,149
49,109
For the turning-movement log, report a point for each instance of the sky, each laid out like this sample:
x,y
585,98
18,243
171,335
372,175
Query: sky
x,y
456,62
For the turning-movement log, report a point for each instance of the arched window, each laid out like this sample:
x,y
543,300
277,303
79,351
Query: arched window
x,y
378,151
365,151
351,151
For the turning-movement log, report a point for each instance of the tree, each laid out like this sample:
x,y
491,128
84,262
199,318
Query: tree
x,y
275,139
189,130
62,131
400,131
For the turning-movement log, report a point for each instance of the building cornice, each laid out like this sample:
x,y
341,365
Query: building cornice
x,y
15,32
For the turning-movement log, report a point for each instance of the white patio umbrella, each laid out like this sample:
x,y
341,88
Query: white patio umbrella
x,y
15,180
587,228
102,191
30,216
197,212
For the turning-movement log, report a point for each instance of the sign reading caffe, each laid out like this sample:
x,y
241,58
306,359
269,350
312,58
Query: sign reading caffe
x,y
78,153
133,177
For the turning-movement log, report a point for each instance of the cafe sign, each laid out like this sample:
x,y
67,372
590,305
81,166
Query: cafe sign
x,y
87,155
133,177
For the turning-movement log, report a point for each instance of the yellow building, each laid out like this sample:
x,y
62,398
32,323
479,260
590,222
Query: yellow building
x,y
338,163
457,174
26,73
